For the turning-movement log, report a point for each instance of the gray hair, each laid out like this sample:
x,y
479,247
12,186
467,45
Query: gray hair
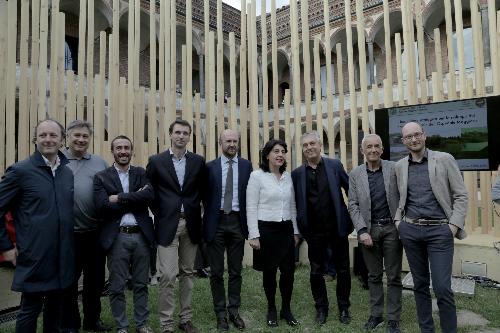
x,y
315,134
79,124
369,136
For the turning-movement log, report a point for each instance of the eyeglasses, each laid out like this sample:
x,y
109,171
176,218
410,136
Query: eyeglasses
x,y
416,136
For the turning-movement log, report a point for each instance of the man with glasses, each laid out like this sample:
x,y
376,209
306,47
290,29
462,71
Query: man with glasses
x,y
431,212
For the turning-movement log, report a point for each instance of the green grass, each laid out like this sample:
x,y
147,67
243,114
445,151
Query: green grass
x,y
254,306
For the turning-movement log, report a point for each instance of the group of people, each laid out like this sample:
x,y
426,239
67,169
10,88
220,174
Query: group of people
x,y
72,212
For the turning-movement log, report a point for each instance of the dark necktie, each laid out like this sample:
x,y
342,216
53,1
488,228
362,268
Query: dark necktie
x,y
228,193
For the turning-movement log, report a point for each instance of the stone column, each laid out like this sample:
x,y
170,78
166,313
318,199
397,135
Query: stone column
x,y
486,35
371,63
202,75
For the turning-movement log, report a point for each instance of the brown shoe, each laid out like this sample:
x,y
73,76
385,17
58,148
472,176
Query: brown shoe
x,y
188,327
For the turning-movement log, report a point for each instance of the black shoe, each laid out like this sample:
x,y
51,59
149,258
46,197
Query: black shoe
x,y
290,319
222,324
272,317
393,326
345,317
373,323
321,317
237,321
99,326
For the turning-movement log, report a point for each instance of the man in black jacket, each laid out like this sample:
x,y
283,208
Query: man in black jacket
x,y
39,192
121,195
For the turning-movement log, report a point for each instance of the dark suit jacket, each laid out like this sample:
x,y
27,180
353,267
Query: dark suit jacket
x,y
169,197
213,194
337,180
106,183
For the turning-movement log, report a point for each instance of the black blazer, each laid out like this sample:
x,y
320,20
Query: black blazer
x,y
337,180
213,194
169,197
106,183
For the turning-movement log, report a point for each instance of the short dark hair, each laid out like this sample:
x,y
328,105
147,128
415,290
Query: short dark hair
x,y
181,122
122,137
268,147
61,127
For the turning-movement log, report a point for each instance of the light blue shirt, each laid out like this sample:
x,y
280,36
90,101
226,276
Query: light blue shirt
x,y
129,218
225,166
180,169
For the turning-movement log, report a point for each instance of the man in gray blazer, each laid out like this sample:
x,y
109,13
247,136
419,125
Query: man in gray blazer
x,y
431,212
373,200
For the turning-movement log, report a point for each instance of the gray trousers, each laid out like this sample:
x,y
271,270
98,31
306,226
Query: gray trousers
x,y
129,256
387,252
432,246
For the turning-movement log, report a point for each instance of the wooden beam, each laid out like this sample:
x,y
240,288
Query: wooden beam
x,y
10,102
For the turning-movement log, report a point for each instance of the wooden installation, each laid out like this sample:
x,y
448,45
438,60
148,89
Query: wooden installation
x,y
107,86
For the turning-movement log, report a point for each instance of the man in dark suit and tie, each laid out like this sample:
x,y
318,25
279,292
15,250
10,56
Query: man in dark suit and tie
x,y
323,220
225,226
177,179
122,194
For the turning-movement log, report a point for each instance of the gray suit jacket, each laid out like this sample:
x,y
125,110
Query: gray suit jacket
x,y
360,198
447,185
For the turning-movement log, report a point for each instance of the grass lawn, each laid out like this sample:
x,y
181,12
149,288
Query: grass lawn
x,y
253,310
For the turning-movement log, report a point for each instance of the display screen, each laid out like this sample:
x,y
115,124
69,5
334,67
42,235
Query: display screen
x,y
467,129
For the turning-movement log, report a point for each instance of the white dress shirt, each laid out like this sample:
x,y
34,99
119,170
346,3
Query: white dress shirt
x,y
270,199
224,161
129,218
180,169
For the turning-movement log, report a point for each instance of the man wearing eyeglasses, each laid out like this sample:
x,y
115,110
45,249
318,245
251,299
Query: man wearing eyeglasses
x,y
431,212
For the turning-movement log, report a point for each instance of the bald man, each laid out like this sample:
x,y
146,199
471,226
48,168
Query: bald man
x,y
225,226
431,212
39,192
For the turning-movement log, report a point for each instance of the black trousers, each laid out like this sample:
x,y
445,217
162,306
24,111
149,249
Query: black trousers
x,y
90,260
228,238
31,306
317,245
287,275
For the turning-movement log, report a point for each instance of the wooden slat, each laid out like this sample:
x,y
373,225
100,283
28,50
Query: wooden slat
x,y
253,87
388,47
409,44
459,33
438,56
162,137
71,97
90,62
152,120
353,107
130,63
265,85
274,60
198,125
210,110
296,79
329,80
452,84
243,81
399,68
220,70
3,77
288,139
421,51
362,66
98,137
232,80
189,63
10,101
304,9
340,85
23,138
35,52
42,69
54,46
493,26
317,87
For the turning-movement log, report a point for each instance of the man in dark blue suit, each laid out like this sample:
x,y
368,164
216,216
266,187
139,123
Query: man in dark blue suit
x,y
225,226
323,220
122,194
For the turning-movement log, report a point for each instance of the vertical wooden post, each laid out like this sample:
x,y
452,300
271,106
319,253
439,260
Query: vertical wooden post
x,y
317,88
253,89
243,81
130,60
10,103
98,136
409,44
232,80
42,69
188,116
304,9
3,77
459,32
438,56
265,90
452,82
54,46
362,66
399,68
23,138
172,109
197,128
421,51
493,25
35,55
162,128
329,80
210,98
274,56
388,47
220,70
297,104
288,139
353,107
340,85
60,105
90,63
152,122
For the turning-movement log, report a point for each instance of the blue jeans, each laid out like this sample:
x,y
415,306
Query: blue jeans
x,y
431,245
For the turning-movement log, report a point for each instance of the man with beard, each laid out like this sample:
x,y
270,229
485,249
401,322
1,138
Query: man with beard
x,y
39,192
122,194
431,212
89,256
323,220
177,179
225,226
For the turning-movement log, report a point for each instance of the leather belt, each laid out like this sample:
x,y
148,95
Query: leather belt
x,y
385,221
229,213
423,221
130,229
